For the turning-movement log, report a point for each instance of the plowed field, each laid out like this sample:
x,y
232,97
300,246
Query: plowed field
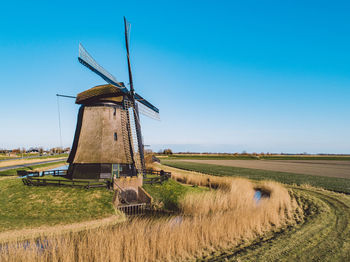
x,y
327,168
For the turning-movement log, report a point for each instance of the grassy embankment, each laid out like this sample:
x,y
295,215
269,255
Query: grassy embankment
x,y
330,183
29,207
169,194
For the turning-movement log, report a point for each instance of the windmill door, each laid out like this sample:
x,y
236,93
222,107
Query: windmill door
x,y
115,170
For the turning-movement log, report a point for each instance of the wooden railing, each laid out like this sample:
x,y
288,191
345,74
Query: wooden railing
x,y
120,193
159,178
156,172
133,209
25,173
155,180
54,173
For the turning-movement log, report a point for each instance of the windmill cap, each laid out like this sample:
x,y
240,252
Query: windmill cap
x,y
97,92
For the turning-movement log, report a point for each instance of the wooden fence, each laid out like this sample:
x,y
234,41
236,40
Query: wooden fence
x,y
35,181
156,172
54,173
25,173
158,177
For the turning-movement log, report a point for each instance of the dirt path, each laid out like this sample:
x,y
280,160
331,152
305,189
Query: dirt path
x,y
311,167
31,233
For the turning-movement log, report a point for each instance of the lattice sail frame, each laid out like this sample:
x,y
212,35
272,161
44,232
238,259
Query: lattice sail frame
x,y
83,54
135,143
144,110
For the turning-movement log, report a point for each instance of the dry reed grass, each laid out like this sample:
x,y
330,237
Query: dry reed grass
x,y
217,219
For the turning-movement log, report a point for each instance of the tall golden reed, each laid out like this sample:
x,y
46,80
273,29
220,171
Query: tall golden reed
x,y
216,219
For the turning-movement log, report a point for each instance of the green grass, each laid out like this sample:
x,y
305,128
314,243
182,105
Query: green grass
x,y
252,157
2,157
170,192
76,181
24,206
48,156
13,172
330,183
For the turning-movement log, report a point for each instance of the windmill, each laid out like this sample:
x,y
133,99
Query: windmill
x,y
108,140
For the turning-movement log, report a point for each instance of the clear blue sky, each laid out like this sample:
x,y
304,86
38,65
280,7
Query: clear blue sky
x,y
226,75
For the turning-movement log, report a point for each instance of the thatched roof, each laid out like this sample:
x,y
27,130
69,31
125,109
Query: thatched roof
x,y
98,92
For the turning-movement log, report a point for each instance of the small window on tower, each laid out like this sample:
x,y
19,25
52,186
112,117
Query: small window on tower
x,y
115,136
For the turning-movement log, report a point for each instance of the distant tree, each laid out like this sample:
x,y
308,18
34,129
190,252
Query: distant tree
x,y
54,150
148,151
167,151
66,150
41,150
16,151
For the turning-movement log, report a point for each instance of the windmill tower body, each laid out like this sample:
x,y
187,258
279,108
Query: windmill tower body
x,y
104,141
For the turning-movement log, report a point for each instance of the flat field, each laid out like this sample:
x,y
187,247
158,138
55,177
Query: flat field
x,y
329,168
338,184
254,157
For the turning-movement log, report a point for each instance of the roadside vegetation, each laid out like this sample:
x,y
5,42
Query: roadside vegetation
x,y
13,172
341,185
31,156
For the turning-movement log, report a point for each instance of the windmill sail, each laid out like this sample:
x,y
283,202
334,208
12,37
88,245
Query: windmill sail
x,y
146,111
86,59
135,138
